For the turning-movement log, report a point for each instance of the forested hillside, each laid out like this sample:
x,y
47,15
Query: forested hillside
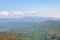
x,y
46,30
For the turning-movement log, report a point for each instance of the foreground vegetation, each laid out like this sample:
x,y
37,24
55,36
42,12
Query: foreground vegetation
x,y
48,30
13,36
44,34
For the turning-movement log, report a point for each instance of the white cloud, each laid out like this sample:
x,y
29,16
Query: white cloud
x,y
54,14
17,13
30,13
4,13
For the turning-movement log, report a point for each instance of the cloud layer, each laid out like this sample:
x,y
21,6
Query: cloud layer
x,y
5,14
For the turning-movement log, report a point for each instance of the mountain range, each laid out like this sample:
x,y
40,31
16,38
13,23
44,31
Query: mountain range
x,y
27,19
28,23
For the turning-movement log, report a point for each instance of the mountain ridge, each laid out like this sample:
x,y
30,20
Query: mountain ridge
x,y
28,19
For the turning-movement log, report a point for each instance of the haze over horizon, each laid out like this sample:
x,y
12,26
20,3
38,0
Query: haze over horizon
x,y
33,8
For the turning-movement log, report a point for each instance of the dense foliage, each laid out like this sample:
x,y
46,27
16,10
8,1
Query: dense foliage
x,y
47,30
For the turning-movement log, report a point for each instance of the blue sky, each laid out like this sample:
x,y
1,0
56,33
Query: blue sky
x,y
47,6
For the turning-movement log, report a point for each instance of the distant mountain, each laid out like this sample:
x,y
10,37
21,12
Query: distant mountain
x,y
48,24
27,19
26,23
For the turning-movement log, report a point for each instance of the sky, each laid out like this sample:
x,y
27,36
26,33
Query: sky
x,y
37,8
